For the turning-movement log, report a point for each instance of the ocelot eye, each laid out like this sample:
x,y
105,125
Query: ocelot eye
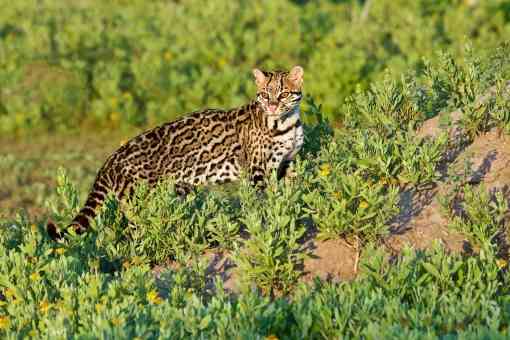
x,y
264,95
284,95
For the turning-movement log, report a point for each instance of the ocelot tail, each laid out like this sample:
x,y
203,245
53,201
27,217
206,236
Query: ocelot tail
x,y
210,146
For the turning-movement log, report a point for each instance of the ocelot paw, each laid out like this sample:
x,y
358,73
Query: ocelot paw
x,y
290,176
183,189
291,173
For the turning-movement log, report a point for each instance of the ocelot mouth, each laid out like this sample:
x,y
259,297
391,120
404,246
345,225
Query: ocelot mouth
x,y
280,114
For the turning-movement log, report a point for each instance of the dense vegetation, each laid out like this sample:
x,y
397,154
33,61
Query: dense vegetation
x,y
379,75
119,63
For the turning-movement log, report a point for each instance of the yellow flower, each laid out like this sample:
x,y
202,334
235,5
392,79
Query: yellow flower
x,y
99,307
115,116
19,118
33,333
137,260
337,195
35,276
60,251
33,227
325,170
126,264
44,306
167,56
10,293
271,337
123,141
153,297
363,205
4,322
117,321
222,62
501,263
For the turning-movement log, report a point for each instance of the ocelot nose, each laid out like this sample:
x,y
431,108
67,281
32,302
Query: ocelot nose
x,y
272,107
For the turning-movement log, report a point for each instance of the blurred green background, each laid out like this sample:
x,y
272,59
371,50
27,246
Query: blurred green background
x,y
119,64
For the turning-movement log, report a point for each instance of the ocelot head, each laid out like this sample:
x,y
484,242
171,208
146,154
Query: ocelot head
x,y
279,92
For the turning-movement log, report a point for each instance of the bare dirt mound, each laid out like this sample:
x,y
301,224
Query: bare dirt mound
x,y
489,156
421,222
334,260
486,160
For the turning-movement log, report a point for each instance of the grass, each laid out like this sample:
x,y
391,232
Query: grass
x,y
30,165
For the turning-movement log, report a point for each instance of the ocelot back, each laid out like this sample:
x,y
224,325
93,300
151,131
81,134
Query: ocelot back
x,y
210,146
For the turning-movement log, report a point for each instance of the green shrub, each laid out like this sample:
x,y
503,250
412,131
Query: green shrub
x,y
349,205
269,258
501,106
387,106
480,215
164,225
50,291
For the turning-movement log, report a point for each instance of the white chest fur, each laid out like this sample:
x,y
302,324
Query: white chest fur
x,y
289,135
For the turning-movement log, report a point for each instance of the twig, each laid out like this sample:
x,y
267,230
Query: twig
x,y
356,259
366,10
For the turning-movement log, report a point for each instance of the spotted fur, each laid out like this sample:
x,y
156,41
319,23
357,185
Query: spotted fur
x,y
210,146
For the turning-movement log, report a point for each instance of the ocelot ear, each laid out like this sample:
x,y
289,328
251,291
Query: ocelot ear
x,y
260,78
296,76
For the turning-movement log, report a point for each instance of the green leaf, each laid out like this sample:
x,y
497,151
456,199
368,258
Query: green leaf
x,y
205,322
431,270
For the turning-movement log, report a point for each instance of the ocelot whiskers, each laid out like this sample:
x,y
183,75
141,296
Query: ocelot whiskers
x,y
210,146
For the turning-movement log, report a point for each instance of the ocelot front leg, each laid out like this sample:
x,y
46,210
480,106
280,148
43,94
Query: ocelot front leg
x,y
286,170
257,174
280,162
255,164
183,189
283,168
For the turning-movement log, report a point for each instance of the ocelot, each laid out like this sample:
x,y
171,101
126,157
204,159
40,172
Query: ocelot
x,y
209,146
